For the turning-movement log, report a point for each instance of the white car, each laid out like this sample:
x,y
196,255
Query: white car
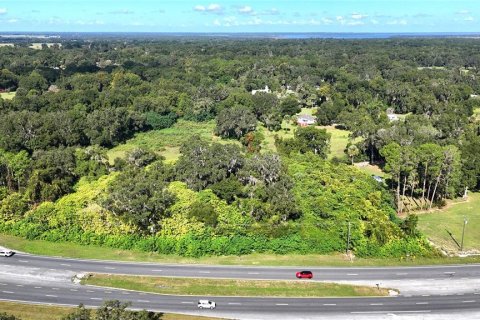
x,y
6,253
206,304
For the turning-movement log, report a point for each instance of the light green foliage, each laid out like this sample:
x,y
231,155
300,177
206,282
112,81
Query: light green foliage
x,y
13,207
330,196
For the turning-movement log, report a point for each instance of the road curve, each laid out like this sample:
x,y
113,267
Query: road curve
x,y
64,291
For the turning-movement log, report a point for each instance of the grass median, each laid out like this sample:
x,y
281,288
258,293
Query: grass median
x,y
232,287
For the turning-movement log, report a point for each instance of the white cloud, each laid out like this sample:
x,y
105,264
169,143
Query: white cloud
x,y
12,20
374,21
3,10
469,19
212,8
358,16
355,23
462,12
245,10
401,22
327,21
123,11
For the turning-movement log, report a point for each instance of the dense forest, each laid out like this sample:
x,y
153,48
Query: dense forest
x,y
409,106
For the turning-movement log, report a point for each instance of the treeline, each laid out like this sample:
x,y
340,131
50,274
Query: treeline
x,y
75,101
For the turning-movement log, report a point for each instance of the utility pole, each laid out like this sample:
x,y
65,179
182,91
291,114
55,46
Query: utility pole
x,y
465,221
348,238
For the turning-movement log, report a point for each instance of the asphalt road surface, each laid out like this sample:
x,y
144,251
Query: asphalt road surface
x,y
60,290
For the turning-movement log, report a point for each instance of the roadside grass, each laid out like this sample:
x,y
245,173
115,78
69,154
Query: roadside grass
x,y
26,311
437,224
230,287
7,95
72,250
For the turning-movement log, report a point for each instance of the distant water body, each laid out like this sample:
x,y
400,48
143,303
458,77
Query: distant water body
x,y
153,35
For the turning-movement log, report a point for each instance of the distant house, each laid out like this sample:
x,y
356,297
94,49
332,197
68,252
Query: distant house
x,y
377,178
304,120
266,90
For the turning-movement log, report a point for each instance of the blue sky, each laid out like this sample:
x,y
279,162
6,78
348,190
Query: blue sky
x,y
241,16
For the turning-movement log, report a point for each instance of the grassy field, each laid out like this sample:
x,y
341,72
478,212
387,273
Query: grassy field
x,y
228,287
166,142
72,250
438,223
7,95
43,312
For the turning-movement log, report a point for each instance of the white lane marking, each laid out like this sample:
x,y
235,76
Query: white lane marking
x,y
3,284
50,295
19,285
109,268
281,304
90,291
157,270
65,264
402,274
187,302
55,289
391,312
254,273
125,293
52,269
425,295
421,303
143,301
329,304
352,274
460,294
449,272
376,304
203,271
38,287
74,290
7,291
235,303
468,301
108,291
22,261
95,298
477,293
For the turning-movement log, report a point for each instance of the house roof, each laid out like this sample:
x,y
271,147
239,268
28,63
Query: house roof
x,y
305,117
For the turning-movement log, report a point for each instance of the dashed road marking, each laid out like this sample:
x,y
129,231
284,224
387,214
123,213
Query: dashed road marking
x,y
22,260
3,284
19,285
51,295
402,274
468,301
108,291
425,295
187,302
329,304
125,292
52,269
55,289
376,304
65,264
74,290
352,274
109,268
157,270
254,273
203,271
421,303
235,303
38,287
90,291
143,301
10,292
95,298
281,304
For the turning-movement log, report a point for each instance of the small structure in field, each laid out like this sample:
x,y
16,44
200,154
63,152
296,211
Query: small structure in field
x,y
305,120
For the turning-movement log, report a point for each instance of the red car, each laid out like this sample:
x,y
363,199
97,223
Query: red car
x,y
304,275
